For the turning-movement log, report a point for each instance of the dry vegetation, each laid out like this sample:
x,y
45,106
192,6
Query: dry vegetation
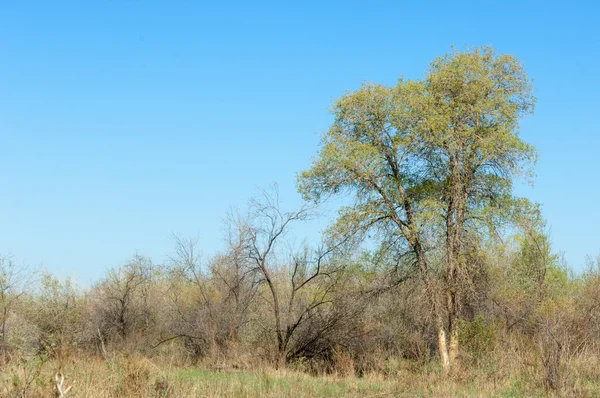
x,y
187,330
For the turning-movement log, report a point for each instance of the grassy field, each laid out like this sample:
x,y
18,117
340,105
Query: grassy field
x,y
140,377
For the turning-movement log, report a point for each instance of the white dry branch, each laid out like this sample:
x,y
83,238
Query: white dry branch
x,y
59,390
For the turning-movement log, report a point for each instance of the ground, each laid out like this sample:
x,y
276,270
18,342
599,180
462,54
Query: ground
x,y
141,377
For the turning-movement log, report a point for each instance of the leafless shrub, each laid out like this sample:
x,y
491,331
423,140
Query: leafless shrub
x,y
120,302
14,279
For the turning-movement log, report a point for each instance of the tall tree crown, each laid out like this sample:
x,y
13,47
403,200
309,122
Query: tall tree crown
x,y
407,151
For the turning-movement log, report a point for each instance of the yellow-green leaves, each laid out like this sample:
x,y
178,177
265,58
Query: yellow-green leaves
x,y
411,151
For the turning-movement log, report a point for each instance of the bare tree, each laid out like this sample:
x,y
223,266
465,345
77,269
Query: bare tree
x,y
298,285
122,298
210,301
13,280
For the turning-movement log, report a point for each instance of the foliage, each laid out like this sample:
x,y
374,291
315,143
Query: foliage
x,y
478,337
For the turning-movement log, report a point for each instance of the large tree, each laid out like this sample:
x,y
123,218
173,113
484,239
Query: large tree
x,y
431,164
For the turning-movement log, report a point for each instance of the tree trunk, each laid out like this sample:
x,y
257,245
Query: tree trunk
x,y
280,361
453,351
281,346
453,316
436,307
442,346
455,219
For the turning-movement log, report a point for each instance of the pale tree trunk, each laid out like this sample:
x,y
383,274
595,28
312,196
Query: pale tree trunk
x,y
442,346
453,316
447,336
452,305
436,307
448,346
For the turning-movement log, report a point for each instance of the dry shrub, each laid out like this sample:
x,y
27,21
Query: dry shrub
x,y
371,362
135,377
162,388
342,362
477,339
24,378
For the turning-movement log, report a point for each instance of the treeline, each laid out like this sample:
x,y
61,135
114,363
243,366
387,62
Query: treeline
x,y
326,309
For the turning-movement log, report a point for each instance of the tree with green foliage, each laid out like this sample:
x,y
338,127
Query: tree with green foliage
x,y
431,164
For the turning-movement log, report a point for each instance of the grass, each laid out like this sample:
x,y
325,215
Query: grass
x,y
271,383
141,377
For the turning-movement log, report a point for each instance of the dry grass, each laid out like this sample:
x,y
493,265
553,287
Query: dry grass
x,y
141,377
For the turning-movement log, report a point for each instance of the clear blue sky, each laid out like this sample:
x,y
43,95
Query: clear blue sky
x,y
122,122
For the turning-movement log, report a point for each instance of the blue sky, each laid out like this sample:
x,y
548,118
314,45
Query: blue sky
x,y
123,122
